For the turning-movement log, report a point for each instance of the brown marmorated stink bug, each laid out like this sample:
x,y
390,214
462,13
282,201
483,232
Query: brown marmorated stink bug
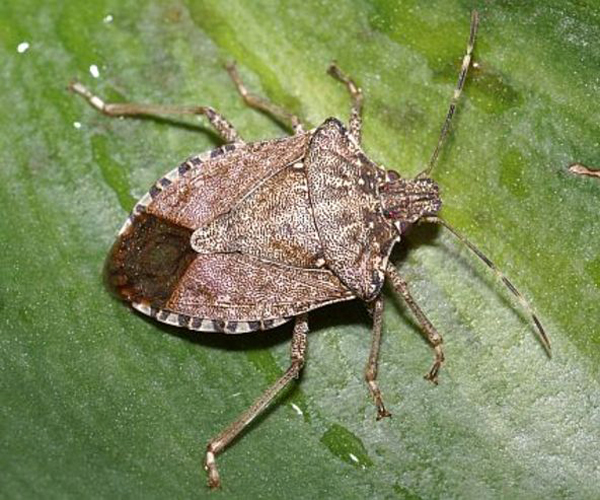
x,y
249,236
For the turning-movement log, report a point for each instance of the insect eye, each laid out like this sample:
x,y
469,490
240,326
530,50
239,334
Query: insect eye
x,y
392,175
391,214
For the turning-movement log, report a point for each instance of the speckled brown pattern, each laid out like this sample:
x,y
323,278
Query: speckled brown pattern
x,y
223,179
279,228
344,191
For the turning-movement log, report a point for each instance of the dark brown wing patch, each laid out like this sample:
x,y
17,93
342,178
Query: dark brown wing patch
x,y
148,259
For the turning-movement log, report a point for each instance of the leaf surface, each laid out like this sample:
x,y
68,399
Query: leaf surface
x,y
98,402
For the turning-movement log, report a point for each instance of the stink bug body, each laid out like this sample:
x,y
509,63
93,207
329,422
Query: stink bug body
x,y
252,235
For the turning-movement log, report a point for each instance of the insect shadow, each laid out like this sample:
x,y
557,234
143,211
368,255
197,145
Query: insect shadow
x,y
186,126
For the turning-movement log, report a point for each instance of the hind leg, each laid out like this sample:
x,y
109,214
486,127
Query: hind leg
x,y
218,444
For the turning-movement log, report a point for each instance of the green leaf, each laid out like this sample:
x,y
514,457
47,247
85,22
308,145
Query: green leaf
x,y
97,401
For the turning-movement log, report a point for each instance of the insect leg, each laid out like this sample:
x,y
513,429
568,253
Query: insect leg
x,y
357,99
218,444
262,104
371,368
220,124
435,339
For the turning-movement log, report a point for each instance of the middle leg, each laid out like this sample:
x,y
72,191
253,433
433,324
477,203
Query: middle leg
x,y
357,99
262,104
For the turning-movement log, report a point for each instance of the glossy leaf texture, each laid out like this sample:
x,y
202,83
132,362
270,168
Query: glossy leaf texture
x,y
99,402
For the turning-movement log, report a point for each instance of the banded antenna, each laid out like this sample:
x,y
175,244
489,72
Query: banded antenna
x,y
457,92
500,275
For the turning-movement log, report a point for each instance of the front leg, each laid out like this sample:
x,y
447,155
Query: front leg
x,y
435,339
371,368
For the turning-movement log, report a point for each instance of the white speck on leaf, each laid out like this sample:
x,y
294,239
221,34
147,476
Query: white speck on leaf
x,y
108,19
353,457
297,409
77,125
94,71
23,47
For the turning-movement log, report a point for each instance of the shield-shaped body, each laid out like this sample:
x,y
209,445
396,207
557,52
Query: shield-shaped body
x,y
247,236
